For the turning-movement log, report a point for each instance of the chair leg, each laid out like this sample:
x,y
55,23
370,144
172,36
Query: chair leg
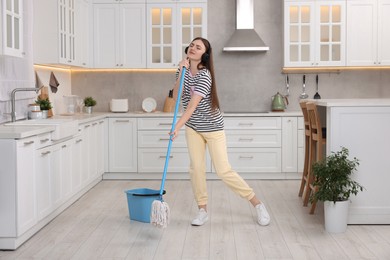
x,y
309,174
305,168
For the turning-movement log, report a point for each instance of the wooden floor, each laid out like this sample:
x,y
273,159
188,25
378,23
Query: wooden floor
x,y
98,227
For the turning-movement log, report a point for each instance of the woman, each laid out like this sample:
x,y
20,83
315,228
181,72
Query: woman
x,y
204,126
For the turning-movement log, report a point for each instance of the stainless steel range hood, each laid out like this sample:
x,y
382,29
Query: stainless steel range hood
x,y
245,37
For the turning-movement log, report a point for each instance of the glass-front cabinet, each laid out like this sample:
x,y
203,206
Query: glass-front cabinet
x,y
12,28
314,33
171,27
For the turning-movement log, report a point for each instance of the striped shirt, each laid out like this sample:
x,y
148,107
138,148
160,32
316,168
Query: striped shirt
x,y
203,119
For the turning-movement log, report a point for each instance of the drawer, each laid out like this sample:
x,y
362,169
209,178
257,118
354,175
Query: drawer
x,y
160,138
43,140
254,138
255,159
153,160
155,123
253,123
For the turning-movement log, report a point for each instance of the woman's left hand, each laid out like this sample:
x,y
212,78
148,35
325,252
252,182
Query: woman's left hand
x,y
174,134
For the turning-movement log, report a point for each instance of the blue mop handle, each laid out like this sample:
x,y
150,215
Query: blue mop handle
x,y
183,71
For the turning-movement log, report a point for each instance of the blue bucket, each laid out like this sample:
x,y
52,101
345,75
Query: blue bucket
x,y
140,202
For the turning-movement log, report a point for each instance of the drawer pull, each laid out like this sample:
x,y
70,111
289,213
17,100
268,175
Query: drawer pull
x,y
164,124
86,126
245,139
79,140
122,121
94,123
245,124
45,153
164,139
28,143
64,146
246,157
163,157
44,140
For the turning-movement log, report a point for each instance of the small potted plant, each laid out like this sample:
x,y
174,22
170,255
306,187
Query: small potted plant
x,y
89,102
45,105
332,178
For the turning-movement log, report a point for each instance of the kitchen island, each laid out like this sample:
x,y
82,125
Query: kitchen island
x,y
363,126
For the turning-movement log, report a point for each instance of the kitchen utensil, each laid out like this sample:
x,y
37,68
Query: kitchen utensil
x,y
119,105
149,104
303,94
317,95
169,104
287,86
279,103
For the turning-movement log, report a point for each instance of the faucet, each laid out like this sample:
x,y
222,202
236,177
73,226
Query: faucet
x,y
13,113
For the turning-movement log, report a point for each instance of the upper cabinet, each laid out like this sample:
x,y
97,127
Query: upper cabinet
x,y
314,33
368,32
11,36
119,34
59,30
171,25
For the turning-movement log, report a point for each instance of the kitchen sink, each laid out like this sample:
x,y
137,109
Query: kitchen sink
x,y
63,127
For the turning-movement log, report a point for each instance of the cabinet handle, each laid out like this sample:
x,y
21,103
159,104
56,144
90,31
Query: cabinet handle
x,y
164,156
164,139
101,122
64,146
164,124
246,139
86,126
122,121
245,124
79,140
45,153
94,123
28,143
246,157
45,140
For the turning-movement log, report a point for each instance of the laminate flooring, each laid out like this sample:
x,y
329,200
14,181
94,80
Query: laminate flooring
x,y
97,226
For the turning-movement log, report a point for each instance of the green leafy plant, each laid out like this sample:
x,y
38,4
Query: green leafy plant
x,y
44,104
332,177
89,102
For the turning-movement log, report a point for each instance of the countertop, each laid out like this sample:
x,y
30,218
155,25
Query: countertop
x,y
18,132
363,102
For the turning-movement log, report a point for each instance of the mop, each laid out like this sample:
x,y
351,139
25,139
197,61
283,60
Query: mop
x,y
159,215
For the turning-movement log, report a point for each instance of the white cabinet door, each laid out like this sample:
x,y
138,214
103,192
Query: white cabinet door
x,y
43,180
77,162
361,33
66,166
384,33
122,145
289,144
12,28
82,33
25,185
119,36
171,27
314,33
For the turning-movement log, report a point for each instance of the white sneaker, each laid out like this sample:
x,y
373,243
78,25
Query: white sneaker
x,y
263,217
201,218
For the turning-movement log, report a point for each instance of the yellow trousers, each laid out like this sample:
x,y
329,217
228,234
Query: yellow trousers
x,y
216,144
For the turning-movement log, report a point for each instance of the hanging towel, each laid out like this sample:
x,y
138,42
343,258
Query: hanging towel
x,y
53,83
38,82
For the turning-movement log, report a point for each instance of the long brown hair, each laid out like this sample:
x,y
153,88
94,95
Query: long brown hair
x,y
209,64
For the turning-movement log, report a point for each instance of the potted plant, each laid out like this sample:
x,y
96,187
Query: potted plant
x,y
45,106
332,179
89,102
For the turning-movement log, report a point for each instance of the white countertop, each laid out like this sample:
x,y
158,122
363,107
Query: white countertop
x,y
362,102
18,132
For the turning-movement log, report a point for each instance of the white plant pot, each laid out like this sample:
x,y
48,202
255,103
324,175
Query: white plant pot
x,y
336,216
88,110
45,113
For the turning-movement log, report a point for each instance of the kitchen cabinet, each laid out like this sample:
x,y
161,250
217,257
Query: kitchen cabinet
x,y
119,35
314,33
368,33
11,36
60,32
171,25
254,144
301,144
122,145
289,144
153,141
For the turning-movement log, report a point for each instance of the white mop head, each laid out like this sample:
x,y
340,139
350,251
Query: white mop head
x,y
159,215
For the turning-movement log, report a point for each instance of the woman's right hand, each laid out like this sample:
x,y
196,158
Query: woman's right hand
x,y
184,63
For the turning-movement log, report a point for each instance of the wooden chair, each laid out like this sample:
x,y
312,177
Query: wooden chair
x,y
306,168
317,144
